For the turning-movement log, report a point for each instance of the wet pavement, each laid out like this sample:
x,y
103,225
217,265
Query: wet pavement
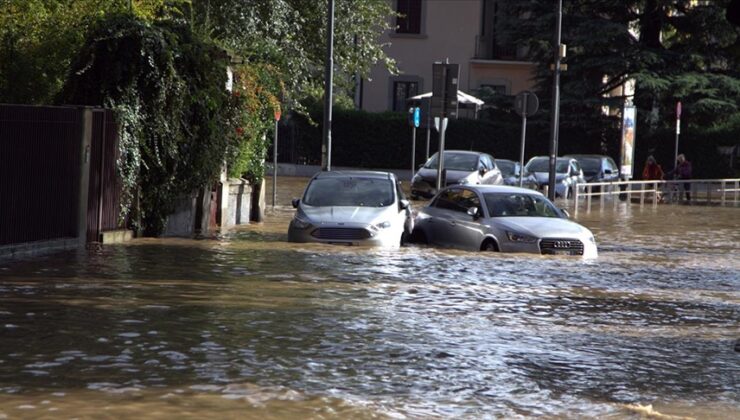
x,y
246,325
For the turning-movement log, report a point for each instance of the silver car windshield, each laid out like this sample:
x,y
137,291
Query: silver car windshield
x,y
349,191
519,205
455,162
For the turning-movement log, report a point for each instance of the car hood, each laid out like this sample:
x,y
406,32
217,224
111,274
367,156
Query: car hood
x,y
544,177
543,227
343,214
453,177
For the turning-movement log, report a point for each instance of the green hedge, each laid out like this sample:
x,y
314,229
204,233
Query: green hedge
x,y
383,140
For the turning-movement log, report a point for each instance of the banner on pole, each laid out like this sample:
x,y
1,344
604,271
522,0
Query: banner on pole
x,y
628,142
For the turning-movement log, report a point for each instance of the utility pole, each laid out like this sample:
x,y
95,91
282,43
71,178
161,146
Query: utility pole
x,y
555,117
326,143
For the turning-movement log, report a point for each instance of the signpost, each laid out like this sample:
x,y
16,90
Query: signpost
x,y
415,115
445,78
274,159
526,103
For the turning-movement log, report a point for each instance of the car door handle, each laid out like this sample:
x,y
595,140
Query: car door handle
x,y
453,223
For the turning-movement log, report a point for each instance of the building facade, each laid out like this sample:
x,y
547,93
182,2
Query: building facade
x,y
461,31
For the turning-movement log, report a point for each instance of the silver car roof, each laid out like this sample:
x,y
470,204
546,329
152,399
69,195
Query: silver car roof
x,y
498,189
344,174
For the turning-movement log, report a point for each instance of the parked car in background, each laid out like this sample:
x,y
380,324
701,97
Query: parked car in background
x,y
352,208
461,167
597,168
568,173
500,218
511,171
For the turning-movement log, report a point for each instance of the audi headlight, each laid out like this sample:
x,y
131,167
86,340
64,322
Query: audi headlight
x,y
518,237
300,223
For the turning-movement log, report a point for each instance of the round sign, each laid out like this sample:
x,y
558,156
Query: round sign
x,y
417,116
526,103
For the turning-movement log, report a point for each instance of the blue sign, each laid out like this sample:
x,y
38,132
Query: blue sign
x,y
417,116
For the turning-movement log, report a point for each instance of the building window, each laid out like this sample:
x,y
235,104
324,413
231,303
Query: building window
x,y
409,21
403,90
496,89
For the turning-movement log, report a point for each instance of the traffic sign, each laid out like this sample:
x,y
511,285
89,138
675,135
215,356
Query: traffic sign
x,y
526,103
445,79
417,117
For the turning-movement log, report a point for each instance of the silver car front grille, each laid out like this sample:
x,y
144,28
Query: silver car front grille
x,y
561,246
336,233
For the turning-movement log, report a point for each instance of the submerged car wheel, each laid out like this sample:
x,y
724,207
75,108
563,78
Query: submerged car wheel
x,y
489,245
418,237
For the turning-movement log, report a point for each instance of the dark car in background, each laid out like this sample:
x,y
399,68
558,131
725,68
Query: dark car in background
x,y
511,171
597,168
461,167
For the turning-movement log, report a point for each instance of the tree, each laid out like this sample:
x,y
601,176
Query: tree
x,y
291,35
40,38
672,49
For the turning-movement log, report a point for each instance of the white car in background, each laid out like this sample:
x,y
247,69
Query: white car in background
x,y
502,219
352,208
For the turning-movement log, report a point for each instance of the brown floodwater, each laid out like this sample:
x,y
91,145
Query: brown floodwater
x,y
246,325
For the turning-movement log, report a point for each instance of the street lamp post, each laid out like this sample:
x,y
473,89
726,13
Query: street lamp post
x,y
326,143
555,117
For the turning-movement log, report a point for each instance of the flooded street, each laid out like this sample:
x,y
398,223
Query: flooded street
x,y
247,325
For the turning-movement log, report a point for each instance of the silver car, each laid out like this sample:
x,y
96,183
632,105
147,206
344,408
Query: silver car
x,y
461,167
511,171
568,174
352,208
500,218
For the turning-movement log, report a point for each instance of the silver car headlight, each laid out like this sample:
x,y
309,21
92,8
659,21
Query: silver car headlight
x,y
518,237
300,223
382,225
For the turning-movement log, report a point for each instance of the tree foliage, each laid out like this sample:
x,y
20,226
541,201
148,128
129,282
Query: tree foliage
x,y
673,50
167,87
291,36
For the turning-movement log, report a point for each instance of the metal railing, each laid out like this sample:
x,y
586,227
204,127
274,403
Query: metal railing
x,y
700,191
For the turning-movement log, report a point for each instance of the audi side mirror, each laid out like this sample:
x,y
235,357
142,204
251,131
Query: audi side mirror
x,y
295,202
565,212
473,212
404,204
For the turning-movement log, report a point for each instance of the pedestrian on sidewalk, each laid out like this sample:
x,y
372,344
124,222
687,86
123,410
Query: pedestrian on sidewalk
x,y
683,171
652,171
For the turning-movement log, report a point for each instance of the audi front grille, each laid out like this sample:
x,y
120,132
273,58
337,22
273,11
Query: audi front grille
x,y
340,234
561,246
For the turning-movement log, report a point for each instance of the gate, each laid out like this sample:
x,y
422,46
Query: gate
x,y
104,192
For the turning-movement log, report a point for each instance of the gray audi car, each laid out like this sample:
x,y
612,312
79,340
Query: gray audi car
x,y
500,218
461,167
352,208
